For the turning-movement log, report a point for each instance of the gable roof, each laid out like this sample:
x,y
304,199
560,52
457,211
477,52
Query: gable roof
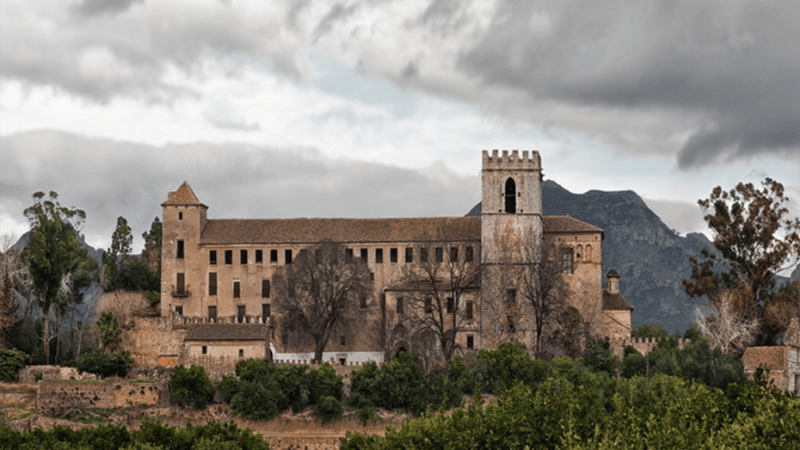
x,y
227,332
615,302
351,231
773,357
184,196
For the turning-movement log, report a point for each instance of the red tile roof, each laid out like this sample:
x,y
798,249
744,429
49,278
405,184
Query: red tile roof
x,y
227,332
184,196
615,302
773,357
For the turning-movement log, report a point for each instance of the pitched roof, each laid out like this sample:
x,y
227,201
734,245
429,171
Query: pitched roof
x,y
183,196
567,224
773,357
615,302
306,231
227,332
418,229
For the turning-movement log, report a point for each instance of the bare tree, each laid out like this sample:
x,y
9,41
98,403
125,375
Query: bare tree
x,y
725,324
124,305
14,279
321,289
436,287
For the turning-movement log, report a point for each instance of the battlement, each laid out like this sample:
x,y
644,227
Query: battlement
x,y
528,160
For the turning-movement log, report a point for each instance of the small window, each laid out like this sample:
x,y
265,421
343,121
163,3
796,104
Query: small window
x,y
180,250
470,342
409,254
566,260
453,254
348,255
364,257
241,353
363,301
469,255
450,305
400,301
243,256
265,311
439,254
469,310
342,340
511,296
393,255
273,256
228,257
212,313
237,289
181,283
259,256
423,254
372,276
287,256
180,216
512,327
428,305
511,196
317,256
212,257
378,256
240,313
285,338
179,310
212,283
204,350
265,288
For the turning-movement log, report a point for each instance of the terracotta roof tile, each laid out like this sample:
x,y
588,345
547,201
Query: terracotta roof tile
x,y
227,332
615,302
773,357
567,224
183,196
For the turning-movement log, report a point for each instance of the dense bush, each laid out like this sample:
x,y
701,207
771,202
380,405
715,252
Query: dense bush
x,y
599,357
105,364
329,408
191,387
397,384
228,387
696,362
258,400
500,369
11,362
152,435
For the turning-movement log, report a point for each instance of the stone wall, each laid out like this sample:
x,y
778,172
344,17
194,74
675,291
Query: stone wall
x,y
641,344
53,373
55,397
153,338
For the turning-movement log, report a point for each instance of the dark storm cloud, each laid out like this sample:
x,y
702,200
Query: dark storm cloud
x,y
734,65
110,178
101,7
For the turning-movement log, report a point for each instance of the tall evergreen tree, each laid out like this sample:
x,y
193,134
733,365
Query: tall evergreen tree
x,y
121,242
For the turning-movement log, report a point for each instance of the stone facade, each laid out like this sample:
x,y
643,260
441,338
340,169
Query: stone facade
x,y
783,361
58,397
221,270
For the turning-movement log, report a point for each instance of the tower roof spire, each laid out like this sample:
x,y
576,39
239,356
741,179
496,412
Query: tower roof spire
x,y
184,196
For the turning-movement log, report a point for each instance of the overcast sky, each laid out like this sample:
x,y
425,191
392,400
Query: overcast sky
x,y
381,108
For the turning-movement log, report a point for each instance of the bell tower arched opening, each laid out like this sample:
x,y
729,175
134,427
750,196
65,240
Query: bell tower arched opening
x,y
511,196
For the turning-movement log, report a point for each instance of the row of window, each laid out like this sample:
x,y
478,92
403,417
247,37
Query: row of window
x,y
241,312
438,255
469,307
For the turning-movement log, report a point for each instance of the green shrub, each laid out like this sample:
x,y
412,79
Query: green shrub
x,y
366,413
228,387
191,387
599,357
260,401
501,368
11,362
633,365
329,408
105,364
462,374
323,381
363,385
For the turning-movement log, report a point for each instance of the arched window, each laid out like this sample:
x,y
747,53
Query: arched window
x,y
588,255
511,196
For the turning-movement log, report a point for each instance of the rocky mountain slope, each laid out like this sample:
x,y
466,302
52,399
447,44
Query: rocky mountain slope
x,y
651,258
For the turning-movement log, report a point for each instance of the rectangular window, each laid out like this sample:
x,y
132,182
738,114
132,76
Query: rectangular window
x,y
285,338
511,296
240,311
317,256
423,254
450,305
179,310
229,257
400,305
348,255
212,283
265,288
265,311
259,256
378,255
212,257
470,342
393,255
273,256
180,216
469,310
428,305
453,254
409,254
181,283
180,250
241,353
212,313
243,256
566,260
363,301
364,253
204,350
237,289
342,340
439,254
469,254
287,256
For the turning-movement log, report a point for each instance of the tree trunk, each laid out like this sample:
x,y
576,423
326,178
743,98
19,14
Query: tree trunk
x,y
59,321
46,333
319,347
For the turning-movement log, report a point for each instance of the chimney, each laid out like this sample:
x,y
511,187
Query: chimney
x,y
613,281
